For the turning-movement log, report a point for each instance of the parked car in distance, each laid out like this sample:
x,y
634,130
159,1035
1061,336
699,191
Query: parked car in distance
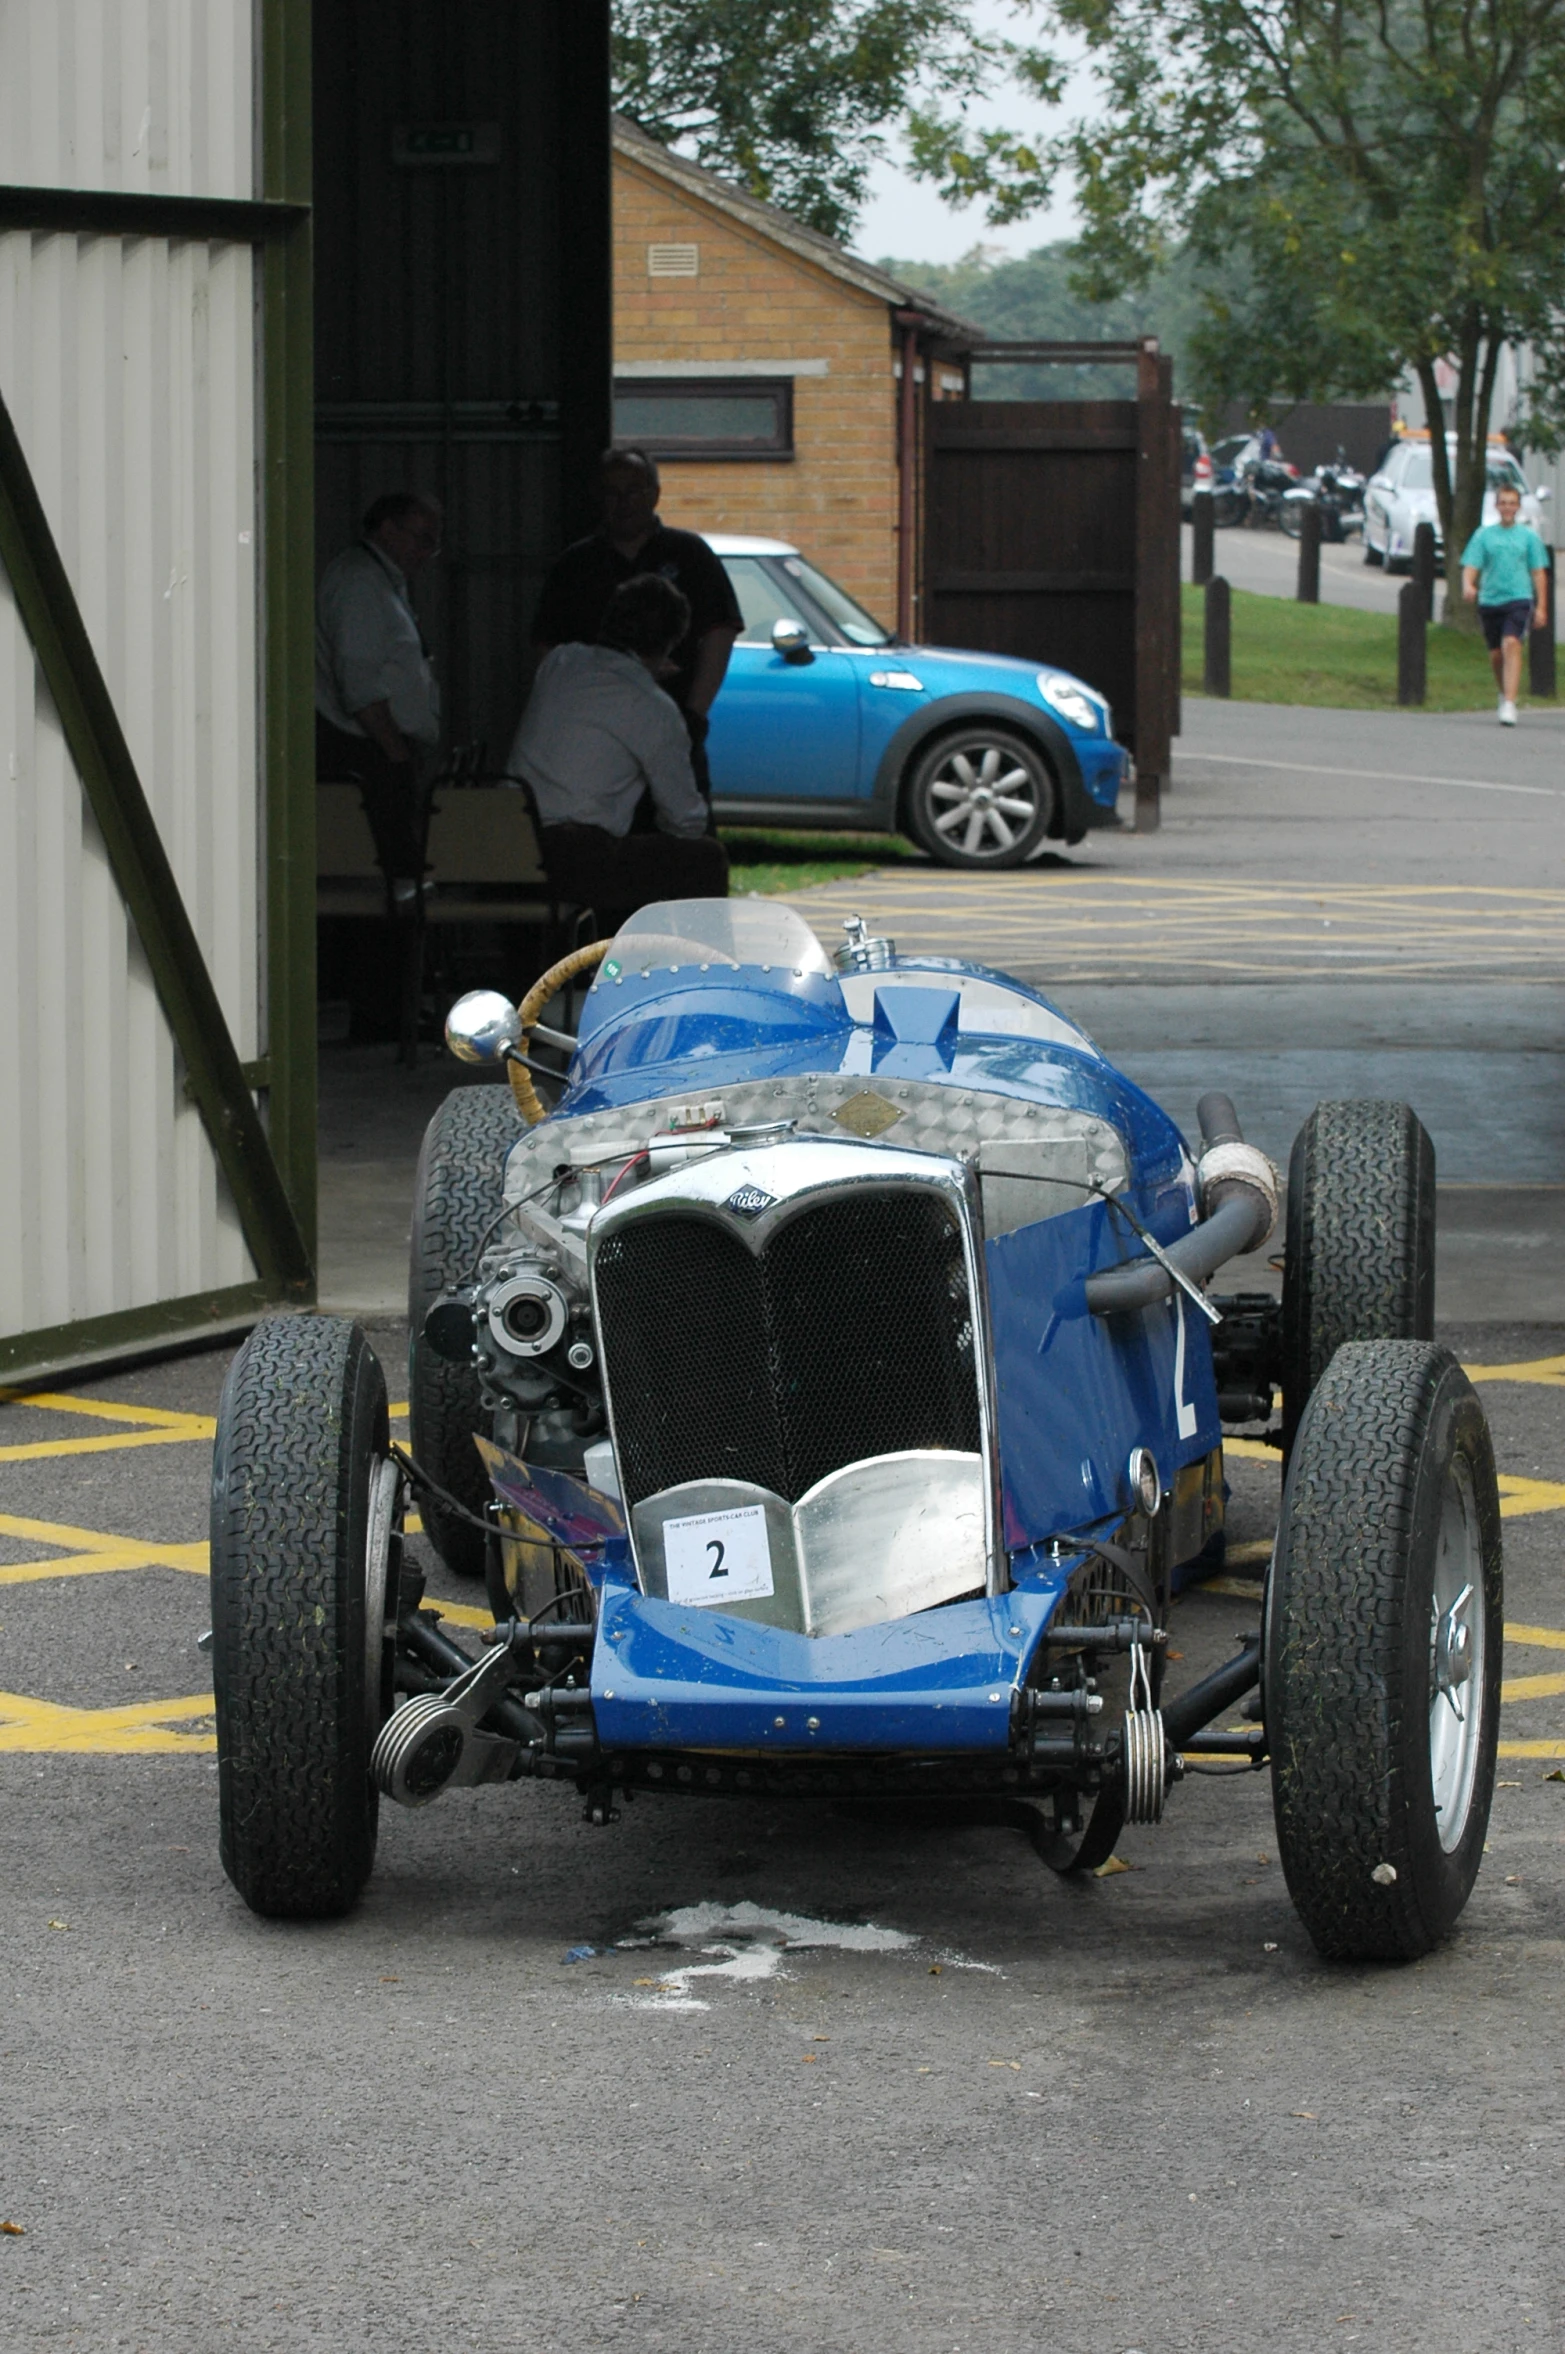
x,y
1196,471
827,720
1401,495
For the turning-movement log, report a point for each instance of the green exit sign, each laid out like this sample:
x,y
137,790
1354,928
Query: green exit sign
x,y
445,143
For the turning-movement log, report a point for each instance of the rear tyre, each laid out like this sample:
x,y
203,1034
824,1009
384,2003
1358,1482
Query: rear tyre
x,y
1291,516
982,798
1360,1261
300,1477
1382,1652
456,1199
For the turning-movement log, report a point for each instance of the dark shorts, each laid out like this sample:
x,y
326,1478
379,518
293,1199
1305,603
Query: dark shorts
x,y
1505,621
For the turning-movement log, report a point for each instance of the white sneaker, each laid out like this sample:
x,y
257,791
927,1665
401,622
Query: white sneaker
x,y
1507,712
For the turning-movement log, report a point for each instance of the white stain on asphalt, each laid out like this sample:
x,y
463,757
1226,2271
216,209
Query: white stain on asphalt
x,y
746,1943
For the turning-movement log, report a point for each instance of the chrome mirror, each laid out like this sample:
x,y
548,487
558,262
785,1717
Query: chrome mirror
x,y
483,1027
791,639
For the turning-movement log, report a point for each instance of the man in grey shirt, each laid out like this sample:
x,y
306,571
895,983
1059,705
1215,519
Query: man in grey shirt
x,y
376,701
598,740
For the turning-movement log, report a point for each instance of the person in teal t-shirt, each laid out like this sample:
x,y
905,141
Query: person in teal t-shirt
x,y
1505,573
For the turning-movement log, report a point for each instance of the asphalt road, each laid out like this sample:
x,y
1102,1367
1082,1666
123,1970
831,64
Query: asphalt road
x,y
1267,563
1137,2114
1133,2114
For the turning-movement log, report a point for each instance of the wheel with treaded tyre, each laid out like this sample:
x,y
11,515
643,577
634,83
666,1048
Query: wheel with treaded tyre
x,y
456,1201
983,797
1381,1673
305,1556
1360,1257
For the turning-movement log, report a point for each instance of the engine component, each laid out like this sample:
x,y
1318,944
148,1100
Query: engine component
x,y
432,1743
862,953
1143,1747
448,1327
527,1313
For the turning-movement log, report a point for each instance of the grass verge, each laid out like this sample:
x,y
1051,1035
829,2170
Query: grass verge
x,y
768,862
1284,652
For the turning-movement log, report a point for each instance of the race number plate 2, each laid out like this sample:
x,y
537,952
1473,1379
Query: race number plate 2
x,y
718,1557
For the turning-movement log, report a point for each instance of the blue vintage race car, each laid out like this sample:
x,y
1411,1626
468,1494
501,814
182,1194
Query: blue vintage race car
x,y
830,1390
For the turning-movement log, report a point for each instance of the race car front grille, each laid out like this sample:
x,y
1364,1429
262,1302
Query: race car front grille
x,y
850,1335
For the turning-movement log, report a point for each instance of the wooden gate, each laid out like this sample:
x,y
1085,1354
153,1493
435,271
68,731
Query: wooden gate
x,y
1052,531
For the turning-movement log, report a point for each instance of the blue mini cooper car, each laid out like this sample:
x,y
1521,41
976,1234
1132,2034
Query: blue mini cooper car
x,y
826,721
830,1392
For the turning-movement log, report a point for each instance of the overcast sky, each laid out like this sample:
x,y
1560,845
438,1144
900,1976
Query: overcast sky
x,y
905,217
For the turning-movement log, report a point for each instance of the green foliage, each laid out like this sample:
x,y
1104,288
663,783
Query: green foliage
x,y
1369,186
791,98
1037,298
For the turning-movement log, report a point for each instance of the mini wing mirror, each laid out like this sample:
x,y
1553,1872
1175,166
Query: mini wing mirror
x,y
1542,491
483,1027
791,640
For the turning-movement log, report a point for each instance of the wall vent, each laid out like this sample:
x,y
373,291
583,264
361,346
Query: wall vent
x,y
673,261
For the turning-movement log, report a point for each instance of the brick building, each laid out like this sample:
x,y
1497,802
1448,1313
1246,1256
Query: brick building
x,y
762,364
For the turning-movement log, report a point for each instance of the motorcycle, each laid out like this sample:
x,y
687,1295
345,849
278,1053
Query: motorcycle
x,y
1338,491
1266,484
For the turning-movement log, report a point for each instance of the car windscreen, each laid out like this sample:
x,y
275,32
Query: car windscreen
x,y
1418,471
838,607
763,599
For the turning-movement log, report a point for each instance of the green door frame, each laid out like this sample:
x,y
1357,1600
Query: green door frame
x,y
270,1167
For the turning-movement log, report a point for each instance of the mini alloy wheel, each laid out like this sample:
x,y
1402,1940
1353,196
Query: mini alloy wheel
x,y
984,798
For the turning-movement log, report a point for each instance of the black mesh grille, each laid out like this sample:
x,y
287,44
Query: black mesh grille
x,y
852,1335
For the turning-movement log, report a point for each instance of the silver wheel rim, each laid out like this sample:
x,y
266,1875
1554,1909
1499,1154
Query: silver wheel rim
x,y
982,800
379,1605
1456,1658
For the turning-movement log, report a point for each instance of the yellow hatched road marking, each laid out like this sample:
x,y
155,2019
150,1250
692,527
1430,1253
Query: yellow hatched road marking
x,y
85,1551
1536,1638
40,1449
1549,1371
1518,1497
1531,1749
137,1730
107,1409
1531,1688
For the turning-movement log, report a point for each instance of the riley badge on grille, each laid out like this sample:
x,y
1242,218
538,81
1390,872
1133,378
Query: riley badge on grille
x,y
749,1200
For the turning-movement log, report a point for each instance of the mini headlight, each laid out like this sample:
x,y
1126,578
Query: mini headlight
x,y
1071,701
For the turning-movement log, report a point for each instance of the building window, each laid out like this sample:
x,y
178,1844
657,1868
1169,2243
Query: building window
x,y
705,417
673,261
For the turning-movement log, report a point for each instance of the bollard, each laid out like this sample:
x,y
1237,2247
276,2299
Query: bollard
x,y
1203,523
1412,642
1219,670
1540,648
1424,569
1309,555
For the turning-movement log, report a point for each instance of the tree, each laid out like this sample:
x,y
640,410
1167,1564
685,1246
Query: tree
x,y
792,98
1372,185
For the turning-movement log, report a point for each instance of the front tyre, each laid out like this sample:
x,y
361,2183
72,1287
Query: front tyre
x,y
1360,1258
303,1535
982,798
457,1198
1382,1652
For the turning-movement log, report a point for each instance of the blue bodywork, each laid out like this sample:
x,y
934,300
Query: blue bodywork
x,y
1074,1393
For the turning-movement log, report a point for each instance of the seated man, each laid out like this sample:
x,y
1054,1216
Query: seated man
x,y
597,734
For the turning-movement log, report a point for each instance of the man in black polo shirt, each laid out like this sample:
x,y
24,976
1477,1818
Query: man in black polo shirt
x,y
631,540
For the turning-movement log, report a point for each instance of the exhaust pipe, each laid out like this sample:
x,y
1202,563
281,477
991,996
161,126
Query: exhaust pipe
x,y
1236,1186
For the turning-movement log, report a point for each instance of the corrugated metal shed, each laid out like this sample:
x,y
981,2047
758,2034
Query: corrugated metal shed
x,y
129,365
